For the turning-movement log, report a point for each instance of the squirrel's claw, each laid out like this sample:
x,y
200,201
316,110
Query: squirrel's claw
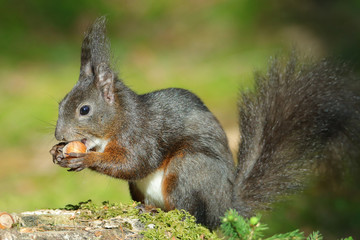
x,y
75,169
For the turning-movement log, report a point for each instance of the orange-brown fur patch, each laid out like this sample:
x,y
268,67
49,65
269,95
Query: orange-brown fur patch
x,y
170,180
113,162
168,185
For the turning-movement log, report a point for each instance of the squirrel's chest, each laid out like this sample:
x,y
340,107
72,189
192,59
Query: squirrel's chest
x,y
150,187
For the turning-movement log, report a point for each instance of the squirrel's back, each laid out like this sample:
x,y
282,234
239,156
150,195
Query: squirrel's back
x,y
178,113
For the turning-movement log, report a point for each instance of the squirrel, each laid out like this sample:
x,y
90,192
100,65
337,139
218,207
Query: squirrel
x,y
175,154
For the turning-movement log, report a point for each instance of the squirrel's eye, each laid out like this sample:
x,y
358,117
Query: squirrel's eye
x,y
84,110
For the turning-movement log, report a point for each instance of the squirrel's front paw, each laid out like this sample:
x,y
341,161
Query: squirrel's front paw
x,y
57,152
74,161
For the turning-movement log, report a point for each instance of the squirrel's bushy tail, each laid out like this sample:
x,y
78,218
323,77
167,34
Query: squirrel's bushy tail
x,y
297,115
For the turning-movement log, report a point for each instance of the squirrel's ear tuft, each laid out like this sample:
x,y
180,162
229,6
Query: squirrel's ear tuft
x,y
95,49
104,79
95,59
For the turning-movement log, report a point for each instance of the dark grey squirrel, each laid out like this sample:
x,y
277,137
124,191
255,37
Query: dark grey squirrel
x,y
173,151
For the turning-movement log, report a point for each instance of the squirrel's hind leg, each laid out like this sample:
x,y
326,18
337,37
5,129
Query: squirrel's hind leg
x,y
198,184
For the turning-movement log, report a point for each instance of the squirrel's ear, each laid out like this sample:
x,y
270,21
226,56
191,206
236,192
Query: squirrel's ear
x,y
86,66
95,48
104,79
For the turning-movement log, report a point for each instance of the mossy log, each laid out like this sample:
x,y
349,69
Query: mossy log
x,y
107,221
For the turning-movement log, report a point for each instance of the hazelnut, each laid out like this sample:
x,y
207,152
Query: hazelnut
x,y
74,147
6,220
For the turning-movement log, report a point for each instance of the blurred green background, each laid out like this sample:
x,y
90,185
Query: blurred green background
x,y
209,47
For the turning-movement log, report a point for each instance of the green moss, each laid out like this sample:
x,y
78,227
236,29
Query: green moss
x,y
158,224
177,223
104,211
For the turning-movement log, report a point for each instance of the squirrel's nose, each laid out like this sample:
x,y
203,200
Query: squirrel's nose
x,y
59,135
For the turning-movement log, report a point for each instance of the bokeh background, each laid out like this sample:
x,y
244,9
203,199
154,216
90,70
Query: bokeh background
x,y
211,47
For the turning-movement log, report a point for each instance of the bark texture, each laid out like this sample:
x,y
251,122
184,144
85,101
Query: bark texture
x,y
64,224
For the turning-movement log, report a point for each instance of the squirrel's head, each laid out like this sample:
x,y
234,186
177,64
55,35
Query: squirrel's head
x,y
91,107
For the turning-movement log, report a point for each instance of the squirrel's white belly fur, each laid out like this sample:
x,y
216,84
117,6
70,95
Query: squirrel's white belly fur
x,y
150,187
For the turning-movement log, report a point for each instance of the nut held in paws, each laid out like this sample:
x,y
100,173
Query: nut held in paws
x,y
74,147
